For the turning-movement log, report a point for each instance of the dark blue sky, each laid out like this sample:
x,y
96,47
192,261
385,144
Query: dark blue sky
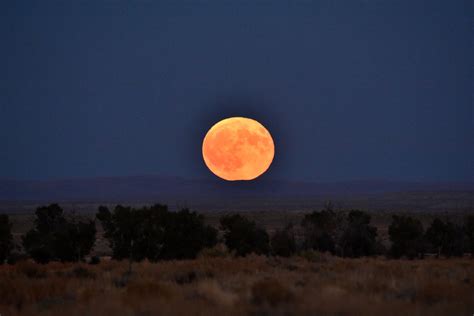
x,y
349,89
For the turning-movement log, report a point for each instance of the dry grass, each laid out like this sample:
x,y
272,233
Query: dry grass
x,y
309,285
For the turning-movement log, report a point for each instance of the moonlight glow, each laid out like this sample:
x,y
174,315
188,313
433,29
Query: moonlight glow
x,y
238,148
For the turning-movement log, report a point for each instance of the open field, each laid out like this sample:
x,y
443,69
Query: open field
x,y
217,283
313,284
451,199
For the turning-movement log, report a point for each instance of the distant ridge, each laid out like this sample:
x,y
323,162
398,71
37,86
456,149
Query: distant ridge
x,y
155,188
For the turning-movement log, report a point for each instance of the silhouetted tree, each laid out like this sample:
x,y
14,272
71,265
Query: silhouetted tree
x,y
55,238
380,248
123,231
283,242
155,233
446,237
74,240
358,238
151,226
469,231
243,236
320,230
6,238
186,235
39,242
406,235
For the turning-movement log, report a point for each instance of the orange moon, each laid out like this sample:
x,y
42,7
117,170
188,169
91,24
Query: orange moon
x,y
238,148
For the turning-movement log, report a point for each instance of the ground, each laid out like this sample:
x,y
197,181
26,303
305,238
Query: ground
x,y
308,284
217,284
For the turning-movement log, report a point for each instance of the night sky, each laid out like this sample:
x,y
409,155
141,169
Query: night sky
x,y
373,89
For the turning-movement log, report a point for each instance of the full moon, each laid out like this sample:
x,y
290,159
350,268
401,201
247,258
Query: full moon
x,y
238,148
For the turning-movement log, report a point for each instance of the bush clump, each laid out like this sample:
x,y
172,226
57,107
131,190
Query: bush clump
x,y
283,242
155,233
446,238
320,230
406,235
6,238
244,236
358,237
56,238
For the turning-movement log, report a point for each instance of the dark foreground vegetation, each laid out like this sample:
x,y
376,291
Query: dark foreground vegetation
x,y
216,283
155,233
174,263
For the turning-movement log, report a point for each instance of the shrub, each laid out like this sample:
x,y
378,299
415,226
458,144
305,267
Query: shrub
x,y
39,246
74,241
406,235
243,236
446,238
320,230
380,248
283,242
6,238
55,238
122,230
16,257
94,260
469,231
358,238
185,235
155,233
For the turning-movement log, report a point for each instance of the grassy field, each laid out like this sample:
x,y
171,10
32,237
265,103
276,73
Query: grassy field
x,y
309,284
218,284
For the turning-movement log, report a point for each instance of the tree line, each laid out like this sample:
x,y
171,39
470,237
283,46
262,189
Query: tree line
x,y
155,233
